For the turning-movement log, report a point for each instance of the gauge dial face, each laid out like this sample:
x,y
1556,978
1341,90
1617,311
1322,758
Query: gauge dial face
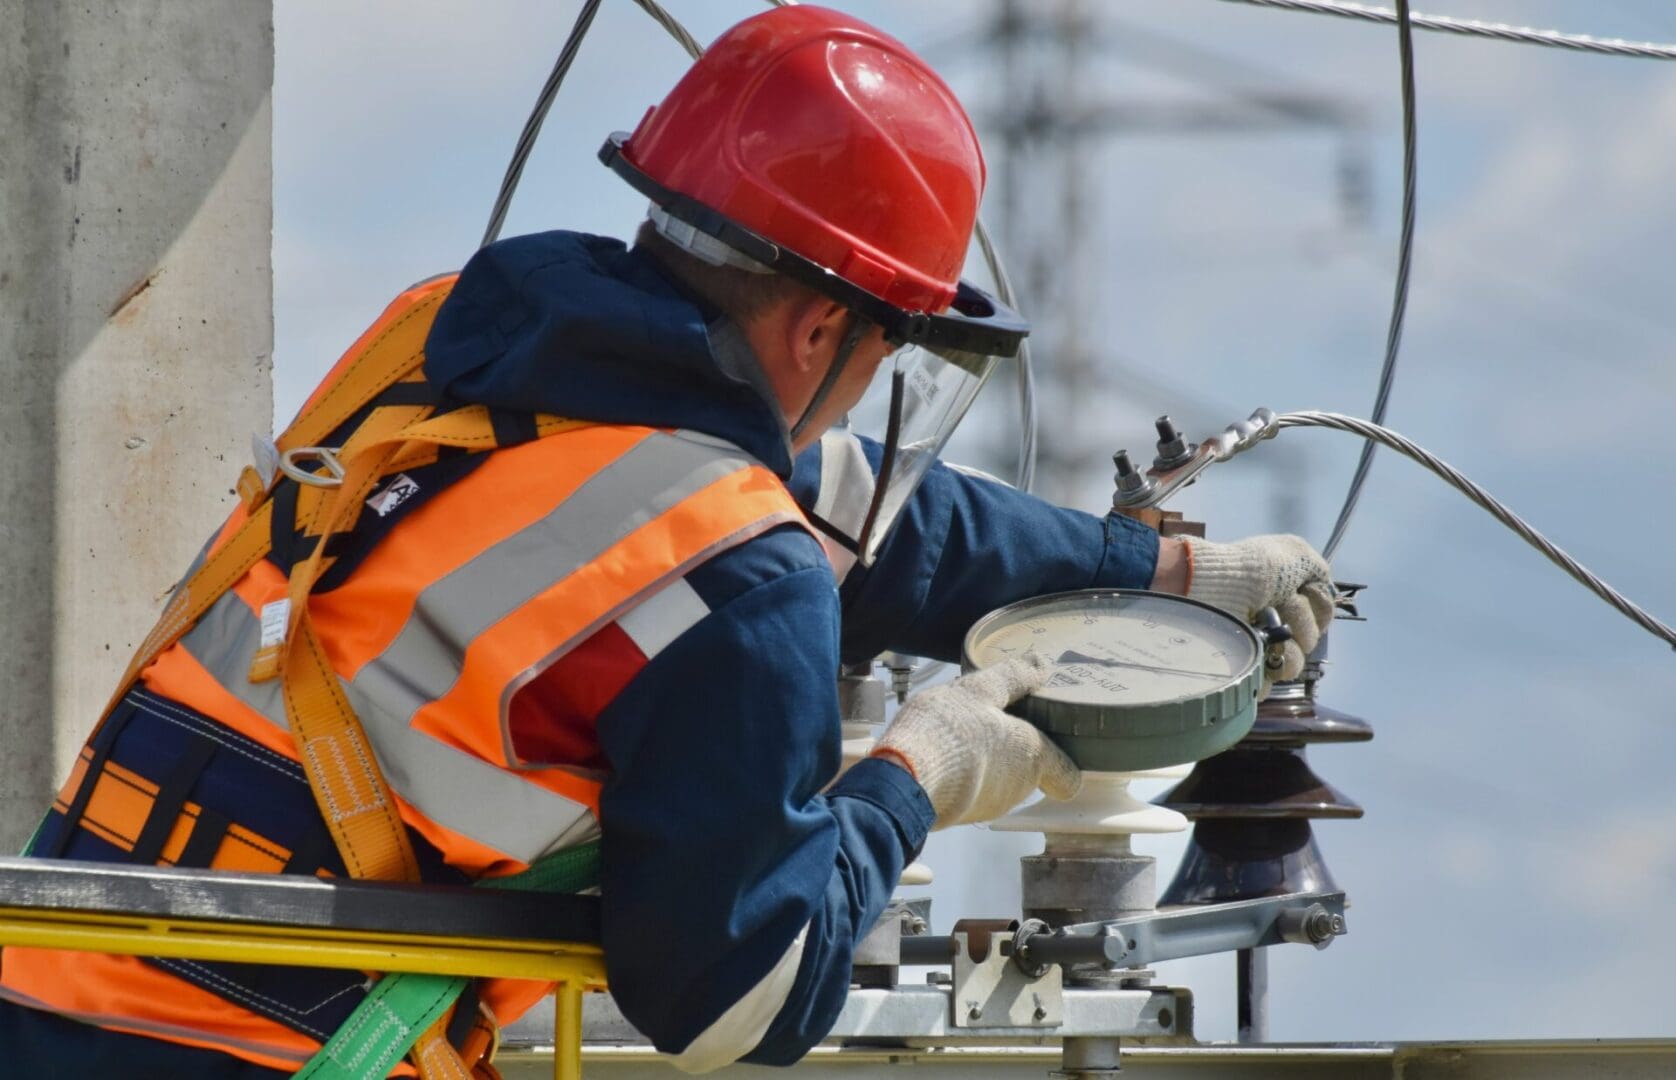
x,y
1118,647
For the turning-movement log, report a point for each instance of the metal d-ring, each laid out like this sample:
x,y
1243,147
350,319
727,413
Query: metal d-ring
x,y
326,455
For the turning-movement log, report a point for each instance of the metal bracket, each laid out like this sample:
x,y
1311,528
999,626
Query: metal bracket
x,y
991,991
1311,918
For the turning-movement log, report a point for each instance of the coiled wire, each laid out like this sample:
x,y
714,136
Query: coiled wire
x,y
1552,552
1448,24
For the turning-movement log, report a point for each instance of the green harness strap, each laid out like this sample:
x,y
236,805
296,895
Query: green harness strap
x,y
391,1018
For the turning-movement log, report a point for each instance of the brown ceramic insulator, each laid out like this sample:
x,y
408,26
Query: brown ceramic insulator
x,y
1240,860
1303,720
1257,783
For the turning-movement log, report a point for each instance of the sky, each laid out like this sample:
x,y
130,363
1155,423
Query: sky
x,y
1513,872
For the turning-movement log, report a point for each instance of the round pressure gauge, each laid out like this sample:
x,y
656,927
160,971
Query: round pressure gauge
x,y
1141,679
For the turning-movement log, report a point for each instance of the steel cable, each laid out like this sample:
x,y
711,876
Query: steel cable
x,y
1405,259
1386,437
673,25
1448,24
538,115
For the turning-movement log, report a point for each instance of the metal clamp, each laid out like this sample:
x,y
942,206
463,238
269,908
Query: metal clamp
x,y
1135,492
989,990
325,455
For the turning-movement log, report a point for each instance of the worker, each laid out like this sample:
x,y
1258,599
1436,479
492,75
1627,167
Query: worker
x,y
623,627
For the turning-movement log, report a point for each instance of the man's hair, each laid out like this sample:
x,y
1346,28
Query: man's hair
x,y
739,294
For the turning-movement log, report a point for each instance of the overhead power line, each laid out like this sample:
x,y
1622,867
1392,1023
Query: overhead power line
x,y
1448,24
1405,259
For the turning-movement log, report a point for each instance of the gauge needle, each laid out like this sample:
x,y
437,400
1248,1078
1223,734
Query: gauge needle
x,y
1070,656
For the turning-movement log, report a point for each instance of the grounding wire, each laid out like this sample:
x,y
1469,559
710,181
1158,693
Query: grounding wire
x,y
1405,446
1448,24
1399,298
538,115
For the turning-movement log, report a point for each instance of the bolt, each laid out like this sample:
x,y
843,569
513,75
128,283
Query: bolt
x,y
1173,450
974,1013
1128,477
1040,1013
1322,925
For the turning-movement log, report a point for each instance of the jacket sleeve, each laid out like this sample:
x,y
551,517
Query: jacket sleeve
x,y
965,545
733,888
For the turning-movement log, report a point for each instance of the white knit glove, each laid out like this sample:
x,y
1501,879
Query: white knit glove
x,y
974,761
1282,572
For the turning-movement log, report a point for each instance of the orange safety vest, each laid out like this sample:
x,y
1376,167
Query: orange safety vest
x,y
475,641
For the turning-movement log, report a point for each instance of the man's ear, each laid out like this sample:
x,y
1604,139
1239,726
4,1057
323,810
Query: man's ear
x,y
813,332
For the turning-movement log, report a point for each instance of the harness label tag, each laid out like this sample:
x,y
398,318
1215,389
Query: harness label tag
x,y
275,617
396,492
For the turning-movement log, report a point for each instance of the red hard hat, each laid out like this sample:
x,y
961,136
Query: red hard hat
x,y
823,135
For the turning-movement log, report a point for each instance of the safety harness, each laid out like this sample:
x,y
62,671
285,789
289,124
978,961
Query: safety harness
x,y
317,494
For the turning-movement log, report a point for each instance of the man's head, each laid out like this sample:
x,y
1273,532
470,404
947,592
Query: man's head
x,y
795,331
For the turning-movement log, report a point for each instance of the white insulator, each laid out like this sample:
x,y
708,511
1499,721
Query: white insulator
x,y
1103,807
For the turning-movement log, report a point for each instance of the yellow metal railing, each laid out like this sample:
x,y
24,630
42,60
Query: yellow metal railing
x,y
576,968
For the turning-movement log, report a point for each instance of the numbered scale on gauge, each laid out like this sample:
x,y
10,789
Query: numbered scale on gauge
x,y
1140,679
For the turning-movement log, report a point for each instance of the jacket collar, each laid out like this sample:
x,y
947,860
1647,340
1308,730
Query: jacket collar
x,y
581,327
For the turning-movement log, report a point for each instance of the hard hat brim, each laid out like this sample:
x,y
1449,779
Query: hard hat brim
x,y
976,322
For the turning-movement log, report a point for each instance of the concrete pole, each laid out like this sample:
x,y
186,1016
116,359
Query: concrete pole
x,y
136,336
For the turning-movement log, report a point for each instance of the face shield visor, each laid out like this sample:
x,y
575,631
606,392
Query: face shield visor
x,y
931,388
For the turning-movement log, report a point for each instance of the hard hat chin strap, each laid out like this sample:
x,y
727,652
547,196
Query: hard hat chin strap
x,y
853,333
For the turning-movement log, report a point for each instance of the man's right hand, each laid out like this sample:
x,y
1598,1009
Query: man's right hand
x,y
1282,572
975,761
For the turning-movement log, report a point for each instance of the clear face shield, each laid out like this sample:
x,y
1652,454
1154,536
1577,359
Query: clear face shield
x,y
931,388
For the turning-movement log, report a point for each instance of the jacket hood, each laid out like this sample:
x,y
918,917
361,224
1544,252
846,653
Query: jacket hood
x,y
581,327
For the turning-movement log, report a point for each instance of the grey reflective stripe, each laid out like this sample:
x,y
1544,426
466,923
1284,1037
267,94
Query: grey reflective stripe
x,y
457,790
698,558
846,493
423,662
225,639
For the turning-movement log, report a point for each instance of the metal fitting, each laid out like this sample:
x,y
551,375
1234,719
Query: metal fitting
x,y
1312,925
1133,486
1036,948
1173,450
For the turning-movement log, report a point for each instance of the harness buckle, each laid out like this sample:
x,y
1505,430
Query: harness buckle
x,y
325,455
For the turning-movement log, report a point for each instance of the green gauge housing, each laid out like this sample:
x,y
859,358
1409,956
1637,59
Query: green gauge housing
x,y
1142,679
